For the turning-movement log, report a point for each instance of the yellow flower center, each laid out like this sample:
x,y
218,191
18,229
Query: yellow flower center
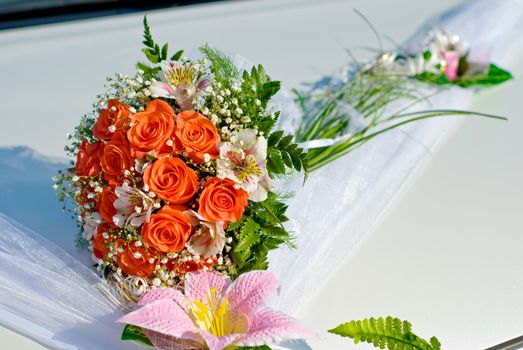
x,y
211,316
183,76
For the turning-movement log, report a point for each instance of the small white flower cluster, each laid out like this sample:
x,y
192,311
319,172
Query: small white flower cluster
x,y
224,110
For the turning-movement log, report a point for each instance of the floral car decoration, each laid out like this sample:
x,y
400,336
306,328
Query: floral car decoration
x,y
172,190
173,171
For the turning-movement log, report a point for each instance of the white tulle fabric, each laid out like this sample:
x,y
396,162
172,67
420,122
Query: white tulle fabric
x,y
48,296
341,202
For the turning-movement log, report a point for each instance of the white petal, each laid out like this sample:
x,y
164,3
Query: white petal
x,y
161,89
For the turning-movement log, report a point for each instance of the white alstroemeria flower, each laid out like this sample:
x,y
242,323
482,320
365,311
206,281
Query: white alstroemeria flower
x,y
141,164
208,238
133,206
245,162
181,82
91,222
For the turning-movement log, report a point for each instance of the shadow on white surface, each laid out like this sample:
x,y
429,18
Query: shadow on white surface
x,y
26,194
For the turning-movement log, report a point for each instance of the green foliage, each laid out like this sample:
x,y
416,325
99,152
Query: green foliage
x,y
284,155
391,333
263,347
223,67
154,53
152,50
260,89
258,232
135,334
493,76
252,89
366,98
262,83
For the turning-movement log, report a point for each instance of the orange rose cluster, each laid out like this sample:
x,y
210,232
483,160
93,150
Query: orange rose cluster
x,y
151,204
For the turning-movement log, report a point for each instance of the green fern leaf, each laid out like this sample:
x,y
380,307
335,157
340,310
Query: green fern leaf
x,y
247,237
147,37
223,67
390,333
284,155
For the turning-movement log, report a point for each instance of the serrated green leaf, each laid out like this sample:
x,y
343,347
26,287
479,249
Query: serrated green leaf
x,y
285,141
274,138
275,164
268,90
287,160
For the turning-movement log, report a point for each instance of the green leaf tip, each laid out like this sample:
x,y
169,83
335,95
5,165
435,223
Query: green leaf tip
x,y
135,334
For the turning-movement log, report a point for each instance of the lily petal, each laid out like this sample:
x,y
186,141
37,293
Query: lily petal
x,y
218,343
164,316
249,290
271,327
199,284
160,89
165,293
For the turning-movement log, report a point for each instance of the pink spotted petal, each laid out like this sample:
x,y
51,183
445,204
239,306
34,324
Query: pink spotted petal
x,y
161,89
248,292
199,284
218,343
165,293
203,82
452,63
163,316
271,327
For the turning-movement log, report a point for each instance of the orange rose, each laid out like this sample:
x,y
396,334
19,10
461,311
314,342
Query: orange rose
x,y
167,230
135,260
220,201
116,158
105,206
171,180
116,115
151,130
100,250
197,135
88,159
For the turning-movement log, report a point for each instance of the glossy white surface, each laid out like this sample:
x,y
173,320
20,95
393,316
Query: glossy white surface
x,y
445,255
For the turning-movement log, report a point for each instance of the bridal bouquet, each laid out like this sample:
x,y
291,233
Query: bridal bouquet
x,y
172,184
172,180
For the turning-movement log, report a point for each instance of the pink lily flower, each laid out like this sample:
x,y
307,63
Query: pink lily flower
x,y
451,64
214,313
